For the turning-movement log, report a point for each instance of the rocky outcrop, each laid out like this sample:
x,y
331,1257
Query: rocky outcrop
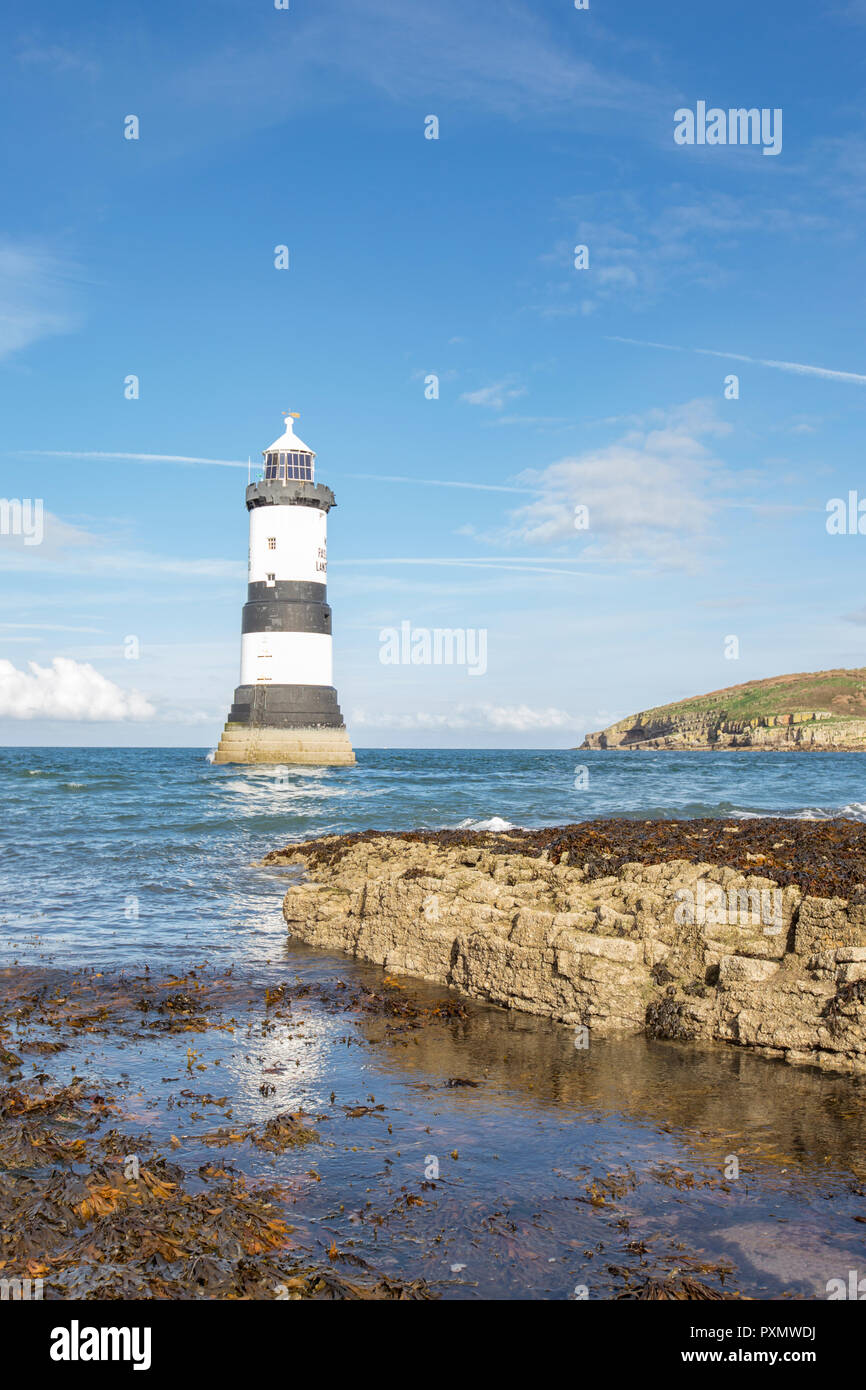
x,y
800,731
681,949
796,712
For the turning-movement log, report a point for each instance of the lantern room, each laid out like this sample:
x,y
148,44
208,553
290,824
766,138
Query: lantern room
x,y
288,459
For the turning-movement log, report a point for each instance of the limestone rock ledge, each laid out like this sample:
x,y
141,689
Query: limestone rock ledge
x,y
621,953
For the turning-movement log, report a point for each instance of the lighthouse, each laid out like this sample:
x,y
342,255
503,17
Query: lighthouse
x,y
285,709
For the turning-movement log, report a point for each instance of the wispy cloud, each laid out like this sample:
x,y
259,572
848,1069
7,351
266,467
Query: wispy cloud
x,y
478,57
513,564
46,627
644,246
438,482
537,420
73,550
800,368
493,397
488,717
56,58
36,297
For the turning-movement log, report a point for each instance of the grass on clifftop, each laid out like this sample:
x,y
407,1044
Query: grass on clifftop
x,y
842,693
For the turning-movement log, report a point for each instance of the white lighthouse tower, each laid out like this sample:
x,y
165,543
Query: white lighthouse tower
x,y
285,709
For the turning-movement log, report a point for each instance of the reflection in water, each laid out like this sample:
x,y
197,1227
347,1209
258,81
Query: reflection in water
x,y
718,1099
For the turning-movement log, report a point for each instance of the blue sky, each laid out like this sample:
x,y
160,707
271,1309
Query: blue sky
x,y
410,257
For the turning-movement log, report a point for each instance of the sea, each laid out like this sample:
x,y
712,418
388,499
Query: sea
x,y
121,855
118,861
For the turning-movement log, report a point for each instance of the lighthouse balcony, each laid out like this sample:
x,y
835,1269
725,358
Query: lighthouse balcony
x,y
295,492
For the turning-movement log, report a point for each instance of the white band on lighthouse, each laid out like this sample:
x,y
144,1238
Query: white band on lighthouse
x,y
288,543
285,708
286,658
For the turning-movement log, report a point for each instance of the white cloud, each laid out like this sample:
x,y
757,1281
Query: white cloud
x,y
69,690
649,494
495,718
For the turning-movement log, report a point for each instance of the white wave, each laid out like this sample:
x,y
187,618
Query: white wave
x,y
495,823
279,793
211,755
855,810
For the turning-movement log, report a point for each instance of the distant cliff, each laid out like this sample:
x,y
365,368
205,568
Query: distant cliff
x,y
818,710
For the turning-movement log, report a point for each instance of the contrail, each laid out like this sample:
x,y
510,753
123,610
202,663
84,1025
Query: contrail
x,y
134,458
441,482
235,463
801,368
516,565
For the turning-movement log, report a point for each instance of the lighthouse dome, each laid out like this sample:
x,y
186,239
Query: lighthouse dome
x,y
288,458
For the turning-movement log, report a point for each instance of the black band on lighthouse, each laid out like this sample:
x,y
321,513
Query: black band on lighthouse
x,y
286,707
286,617
286,591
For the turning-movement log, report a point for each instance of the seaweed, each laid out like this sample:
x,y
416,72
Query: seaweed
x,y
666,1018
825,859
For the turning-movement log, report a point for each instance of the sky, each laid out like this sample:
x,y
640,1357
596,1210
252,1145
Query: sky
x,y
551,454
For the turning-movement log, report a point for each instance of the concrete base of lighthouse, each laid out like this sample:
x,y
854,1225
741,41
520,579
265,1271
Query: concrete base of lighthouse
x,y
312,747
285,724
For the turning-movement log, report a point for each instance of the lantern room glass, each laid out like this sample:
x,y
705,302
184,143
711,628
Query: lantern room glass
x,y
295,466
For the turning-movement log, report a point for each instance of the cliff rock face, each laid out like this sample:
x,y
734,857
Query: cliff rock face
x,y
801,731
679,949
